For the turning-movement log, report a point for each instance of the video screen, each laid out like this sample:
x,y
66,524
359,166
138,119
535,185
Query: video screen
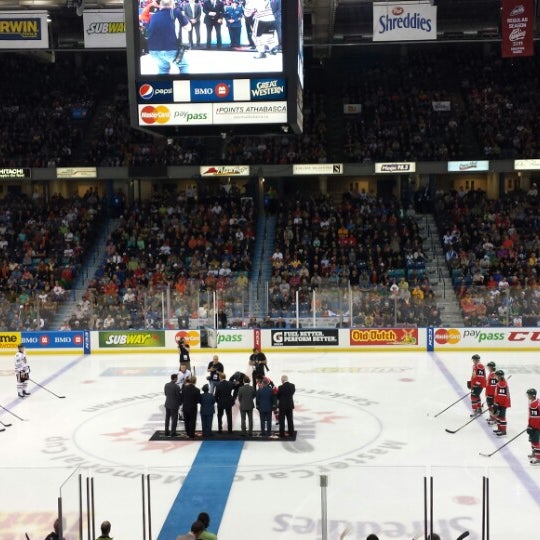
x,y
209,37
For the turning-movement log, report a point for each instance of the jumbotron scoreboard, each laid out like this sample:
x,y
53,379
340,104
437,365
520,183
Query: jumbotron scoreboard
x,y
251,86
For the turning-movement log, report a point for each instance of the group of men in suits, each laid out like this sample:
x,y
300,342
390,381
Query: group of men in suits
x,y
263,397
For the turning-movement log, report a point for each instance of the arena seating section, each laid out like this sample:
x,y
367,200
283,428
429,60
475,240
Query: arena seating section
x,y
177,249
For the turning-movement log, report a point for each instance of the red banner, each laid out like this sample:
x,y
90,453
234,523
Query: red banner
x,y
517,28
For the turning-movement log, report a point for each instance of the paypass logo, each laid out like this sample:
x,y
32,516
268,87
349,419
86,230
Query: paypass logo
x,y
155,115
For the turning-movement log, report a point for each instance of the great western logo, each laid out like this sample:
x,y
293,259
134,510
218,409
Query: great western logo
x,y
261,89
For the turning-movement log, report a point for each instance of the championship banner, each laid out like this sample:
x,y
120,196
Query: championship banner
x,y
517,28
24,30
104,29
405,21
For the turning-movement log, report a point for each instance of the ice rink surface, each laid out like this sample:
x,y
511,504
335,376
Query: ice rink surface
x,y
366,421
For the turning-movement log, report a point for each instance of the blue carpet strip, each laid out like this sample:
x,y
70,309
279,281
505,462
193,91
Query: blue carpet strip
x,y
205,489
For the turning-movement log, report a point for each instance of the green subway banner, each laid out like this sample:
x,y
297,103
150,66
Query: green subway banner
x,y
119,340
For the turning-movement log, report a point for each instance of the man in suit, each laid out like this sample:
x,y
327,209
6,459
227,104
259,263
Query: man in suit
x,y
173,398
193,12
246,395
265,403
214,12
286,406
191,397
225,402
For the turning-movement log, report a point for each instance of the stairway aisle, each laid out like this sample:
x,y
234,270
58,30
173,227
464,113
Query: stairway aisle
x,y
439,275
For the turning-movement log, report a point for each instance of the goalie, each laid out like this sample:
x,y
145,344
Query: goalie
x,y
22,371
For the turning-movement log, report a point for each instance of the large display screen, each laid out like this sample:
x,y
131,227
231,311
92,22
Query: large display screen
x,y
212,37
214,63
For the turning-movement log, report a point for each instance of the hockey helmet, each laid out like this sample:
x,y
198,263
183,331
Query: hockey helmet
x,y
499,373
531,392
476,357
20,346
491,364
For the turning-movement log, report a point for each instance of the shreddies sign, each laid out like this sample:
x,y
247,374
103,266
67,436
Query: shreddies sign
x,y
406,21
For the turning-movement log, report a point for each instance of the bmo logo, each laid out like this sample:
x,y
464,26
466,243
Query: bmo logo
x,y
208,91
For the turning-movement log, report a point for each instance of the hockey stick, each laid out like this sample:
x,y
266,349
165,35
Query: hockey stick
x,y
455,402
463,535
5,424
505,444
45,388
12,413
466,423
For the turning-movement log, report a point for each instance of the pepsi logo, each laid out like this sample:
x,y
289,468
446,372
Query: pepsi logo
x,y
397,11
146,91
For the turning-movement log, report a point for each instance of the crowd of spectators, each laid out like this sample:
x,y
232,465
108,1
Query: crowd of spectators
x,y
43,250
47,107
170,254
412,106
362,247
491,248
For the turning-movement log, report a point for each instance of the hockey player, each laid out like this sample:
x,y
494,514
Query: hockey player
x,y
476,384
265,33
491,383
533,429
22,371
501,402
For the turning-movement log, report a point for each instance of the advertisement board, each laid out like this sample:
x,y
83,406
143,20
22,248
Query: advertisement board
x,y
304,338
383,337
53,340
131,339
24,30
104,29
486,338
404,21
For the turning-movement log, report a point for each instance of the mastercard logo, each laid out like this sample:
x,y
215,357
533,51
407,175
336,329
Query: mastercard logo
x,y
155,114
192,337
447,336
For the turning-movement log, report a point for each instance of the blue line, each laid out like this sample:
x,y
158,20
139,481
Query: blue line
x,y
516,466
205,489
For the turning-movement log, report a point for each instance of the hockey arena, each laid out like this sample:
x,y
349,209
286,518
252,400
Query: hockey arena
x,y
368,423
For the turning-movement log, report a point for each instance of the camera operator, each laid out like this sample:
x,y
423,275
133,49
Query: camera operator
x,y
257,361
183,351
215,367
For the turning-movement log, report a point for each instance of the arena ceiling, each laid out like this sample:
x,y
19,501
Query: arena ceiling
x,y
328,23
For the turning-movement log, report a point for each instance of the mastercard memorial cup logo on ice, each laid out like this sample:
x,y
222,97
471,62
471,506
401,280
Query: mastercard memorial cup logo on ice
x,y
158,114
